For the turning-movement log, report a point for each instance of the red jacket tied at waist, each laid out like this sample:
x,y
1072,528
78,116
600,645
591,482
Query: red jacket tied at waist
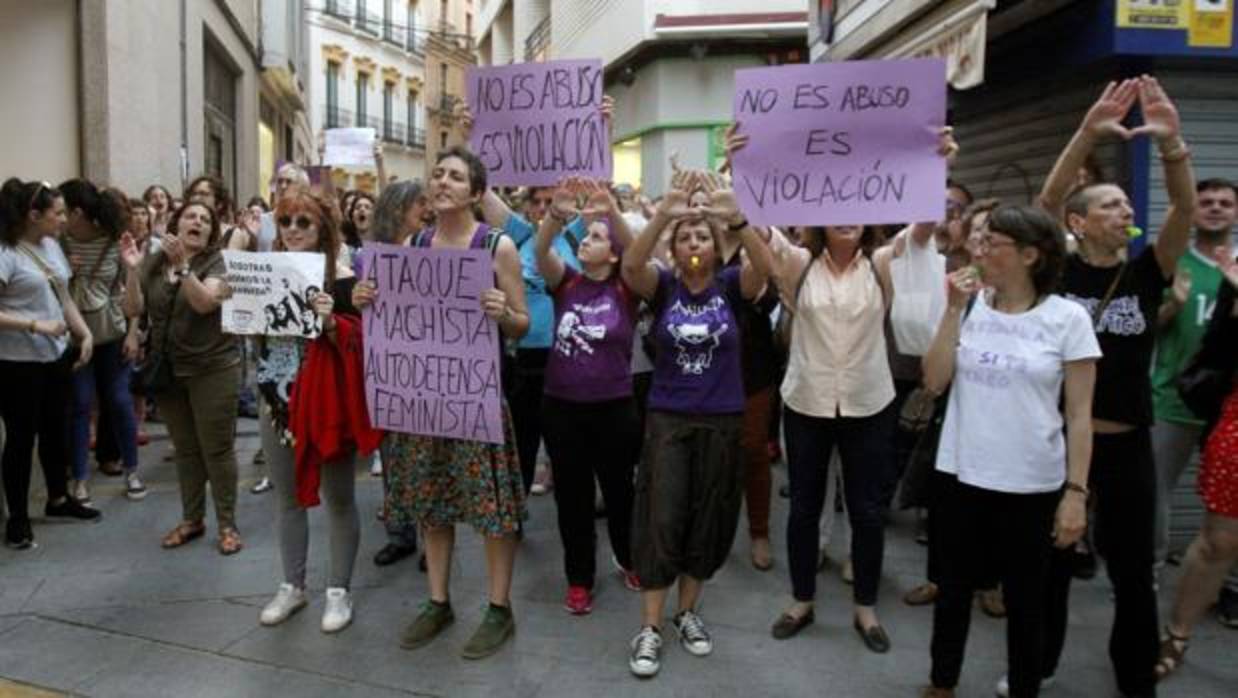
x,y
326,411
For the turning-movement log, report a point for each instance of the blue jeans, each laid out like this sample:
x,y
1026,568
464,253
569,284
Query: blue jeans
x,y
107,374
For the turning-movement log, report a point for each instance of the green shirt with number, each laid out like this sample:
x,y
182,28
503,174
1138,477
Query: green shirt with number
x,y
1177,343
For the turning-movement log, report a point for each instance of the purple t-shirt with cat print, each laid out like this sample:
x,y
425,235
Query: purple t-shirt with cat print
x,y
591,350
697,368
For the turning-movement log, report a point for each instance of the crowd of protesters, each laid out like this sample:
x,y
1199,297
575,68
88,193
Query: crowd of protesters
x,y
663,352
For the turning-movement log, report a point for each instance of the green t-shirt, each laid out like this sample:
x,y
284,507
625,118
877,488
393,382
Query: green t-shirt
x,y
1177,344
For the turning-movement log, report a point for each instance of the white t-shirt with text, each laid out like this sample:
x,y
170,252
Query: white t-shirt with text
x,y
1003,425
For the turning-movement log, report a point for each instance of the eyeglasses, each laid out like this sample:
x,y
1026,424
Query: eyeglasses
x,y
302,222
988,242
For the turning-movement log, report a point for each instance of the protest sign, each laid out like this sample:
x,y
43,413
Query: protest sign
x,y
843,143
534,123
431,354
273,293
349,146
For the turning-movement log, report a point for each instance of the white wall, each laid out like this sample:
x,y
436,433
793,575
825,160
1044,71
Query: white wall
x,y
38,61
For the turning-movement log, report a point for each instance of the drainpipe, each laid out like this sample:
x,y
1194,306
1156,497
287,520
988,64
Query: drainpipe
x,y
184,97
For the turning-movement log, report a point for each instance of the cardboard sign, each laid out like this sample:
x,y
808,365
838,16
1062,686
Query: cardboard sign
x,y
273,293
534,123
349,146
431,354
845,143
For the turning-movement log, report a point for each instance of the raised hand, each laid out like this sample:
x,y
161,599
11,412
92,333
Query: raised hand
x,y
173,250
130,255
599,203
1106,115
722,202
608,107
563,201
961,285
1182,285
735,141
674,203
1160,116
378,149
464,117
947,147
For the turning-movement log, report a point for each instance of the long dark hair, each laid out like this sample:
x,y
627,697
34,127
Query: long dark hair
x,y
17,200
352,236
105,210
813,237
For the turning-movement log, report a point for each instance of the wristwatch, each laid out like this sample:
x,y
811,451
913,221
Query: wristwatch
x,y
181,273
736,227
1076,487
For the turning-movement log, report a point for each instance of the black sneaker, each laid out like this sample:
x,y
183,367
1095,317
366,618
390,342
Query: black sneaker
x,y
1227,608
392,553
18,535
70,508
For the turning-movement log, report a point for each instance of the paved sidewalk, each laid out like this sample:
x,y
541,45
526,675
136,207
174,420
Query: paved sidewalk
x,y
101,610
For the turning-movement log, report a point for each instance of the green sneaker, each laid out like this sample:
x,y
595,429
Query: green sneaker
x,y
497,625
433,619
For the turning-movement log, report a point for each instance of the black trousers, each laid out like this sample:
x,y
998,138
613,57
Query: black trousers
x,y
975,529
588,440
864,443
35,401
525,400
1123,485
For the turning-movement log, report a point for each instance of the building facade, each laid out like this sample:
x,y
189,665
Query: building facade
x,y
367,63
284,130
669,65
109,94
450,51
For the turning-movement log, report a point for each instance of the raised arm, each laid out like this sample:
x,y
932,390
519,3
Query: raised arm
x,y
562,210
600,203
131,257
1104,118
753,275
639,271
1160,118
939,360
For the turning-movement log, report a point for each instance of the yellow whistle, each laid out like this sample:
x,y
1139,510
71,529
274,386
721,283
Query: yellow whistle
x,y
694,261
1133,231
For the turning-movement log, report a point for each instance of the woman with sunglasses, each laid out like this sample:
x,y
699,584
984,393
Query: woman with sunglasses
x,y
37,315
1123,297
437,482
305,224
181,288
91,242
1008,483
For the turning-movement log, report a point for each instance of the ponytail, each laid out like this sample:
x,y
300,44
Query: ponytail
x,y
17,200
104,211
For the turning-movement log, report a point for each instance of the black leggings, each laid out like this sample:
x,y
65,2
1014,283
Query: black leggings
x,y
864,443
1123,484
35,403
525,399
975,528
586,440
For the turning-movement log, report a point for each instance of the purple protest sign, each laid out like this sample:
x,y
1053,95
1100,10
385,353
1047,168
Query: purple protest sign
x,y
431,354
534,123
843,143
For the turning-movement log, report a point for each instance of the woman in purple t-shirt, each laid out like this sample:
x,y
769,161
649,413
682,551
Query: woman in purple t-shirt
x,y
689,484
588,413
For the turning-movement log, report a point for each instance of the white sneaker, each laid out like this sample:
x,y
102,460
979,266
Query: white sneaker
x,y
80,492
338,613
646,656
288,600
134,488
376,465
1003,685
692,633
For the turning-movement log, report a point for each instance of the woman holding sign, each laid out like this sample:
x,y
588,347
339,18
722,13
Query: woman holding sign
x,y
588,413
438,482
194,371
689,483
306,224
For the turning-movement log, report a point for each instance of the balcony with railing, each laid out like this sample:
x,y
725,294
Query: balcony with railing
x,y
336,117
338,9
370,24
390,131
451,39
415,41
539,40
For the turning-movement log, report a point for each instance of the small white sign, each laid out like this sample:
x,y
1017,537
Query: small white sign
x,y
273,293
349,146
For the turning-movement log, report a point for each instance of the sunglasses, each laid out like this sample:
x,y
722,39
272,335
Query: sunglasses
x,y
302,222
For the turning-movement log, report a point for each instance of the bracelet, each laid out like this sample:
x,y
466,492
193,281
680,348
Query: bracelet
x,y
34,327
735,228
1076,487
1179,153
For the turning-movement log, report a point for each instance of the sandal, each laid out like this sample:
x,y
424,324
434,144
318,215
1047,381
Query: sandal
x,y
184,532
1173,654
230,541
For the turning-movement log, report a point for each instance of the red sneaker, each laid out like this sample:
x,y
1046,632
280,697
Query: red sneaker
x,y
630,580
143,438
579,601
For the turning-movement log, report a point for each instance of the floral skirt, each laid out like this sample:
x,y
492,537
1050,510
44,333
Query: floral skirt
x,y
437,482
1218,469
